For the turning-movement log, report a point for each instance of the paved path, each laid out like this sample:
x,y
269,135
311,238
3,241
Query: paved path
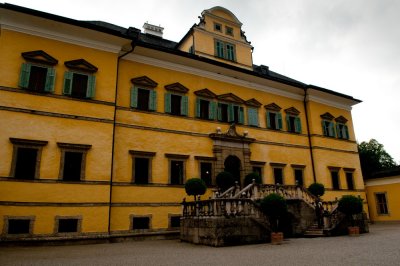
x,y
380,247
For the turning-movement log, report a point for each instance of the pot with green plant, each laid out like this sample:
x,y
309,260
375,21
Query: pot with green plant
x,y
275,207
351,205
248,179
195,187
224,180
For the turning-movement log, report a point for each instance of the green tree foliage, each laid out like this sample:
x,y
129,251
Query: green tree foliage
x,y
374,158
225,180
195,187
249,178
316,189
350,205
274,206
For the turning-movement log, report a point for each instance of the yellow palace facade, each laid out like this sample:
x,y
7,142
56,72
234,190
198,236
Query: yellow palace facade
x,y
102,125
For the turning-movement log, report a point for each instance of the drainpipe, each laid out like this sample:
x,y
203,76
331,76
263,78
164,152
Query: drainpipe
x,y
309,135
134,38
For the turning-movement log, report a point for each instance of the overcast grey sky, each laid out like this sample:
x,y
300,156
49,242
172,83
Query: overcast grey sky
x,y
348,46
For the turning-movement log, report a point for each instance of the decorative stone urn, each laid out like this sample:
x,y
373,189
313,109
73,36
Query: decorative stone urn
x,y
276,238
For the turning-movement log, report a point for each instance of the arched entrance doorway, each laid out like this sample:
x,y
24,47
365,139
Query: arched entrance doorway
x,y
232,165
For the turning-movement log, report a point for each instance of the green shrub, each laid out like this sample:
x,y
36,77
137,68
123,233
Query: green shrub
x,y
350,205
274,206
195,187
225,180
316,189
249,178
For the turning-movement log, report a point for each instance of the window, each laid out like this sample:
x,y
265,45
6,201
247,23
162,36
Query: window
x,y
177,172
293,123
225,50
328,128
39,74
229,31
274,120
174,221
342,131
79,85
26,158
205,109
350,180
217,27
143,99
228,112
278,176
141,166
73,161
68,224
335,179
381,203
19,225
258,170
298,177
176,104
252,116
140,222
191,50
37,78
206,172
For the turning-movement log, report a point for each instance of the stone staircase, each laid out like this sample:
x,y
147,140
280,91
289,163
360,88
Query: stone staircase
x,y
314,231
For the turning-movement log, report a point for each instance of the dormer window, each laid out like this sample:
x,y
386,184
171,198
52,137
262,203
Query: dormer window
x,y
217,27
229,31
225,50
38,73
80,82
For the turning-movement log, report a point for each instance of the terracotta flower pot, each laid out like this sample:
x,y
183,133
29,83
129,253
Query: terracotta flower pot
x,y
276,238
353,230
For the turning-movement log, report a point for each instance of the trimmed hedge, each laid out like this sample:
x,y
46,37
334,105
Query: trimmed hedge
x,y
316,189
249,178
195,186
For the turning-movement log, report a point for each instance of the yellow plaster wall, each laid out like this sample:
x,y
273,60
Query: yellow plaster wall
x,y
392,197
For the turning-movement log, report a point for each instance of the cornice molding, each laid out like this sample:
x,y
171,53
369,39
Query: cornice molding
x,y
49,34
382,181
253,102
341,119
273,107
144,81
39,56
208,74
81,65
327,116
230,97
206,93
312,98
292,111
176,87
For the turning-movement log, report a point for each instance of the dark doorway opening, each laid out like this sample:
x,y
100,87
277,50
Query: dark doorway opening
x,y
233,165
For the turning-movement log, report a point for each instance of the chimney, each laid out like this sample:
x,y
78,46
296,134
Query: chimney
x,y
153,29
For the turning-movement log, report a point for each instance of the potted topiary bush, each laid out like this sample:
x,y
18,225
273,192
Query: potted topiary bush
x,y
248,179
351,205
317,189
195,187
274,206
225,180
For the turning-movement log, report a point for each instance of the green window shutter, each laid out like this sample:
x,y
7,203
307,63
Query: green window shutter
x,y
324,130
241,115
212,110
67,90
134,97
339,132
219,112
230,112
297,124
279,120
153,100
345,132
289,128
197,107
252,117
167,102
268,120
91,86
50,78
331,129
24,75
184,105
219,47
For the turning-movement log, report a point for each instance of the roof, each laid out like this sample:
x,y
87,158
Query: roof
x,y
386,173
158,43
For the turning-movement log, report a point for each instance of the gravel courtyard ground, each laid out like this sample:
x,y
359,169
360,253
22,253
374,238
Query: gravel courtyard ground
x,y
380,247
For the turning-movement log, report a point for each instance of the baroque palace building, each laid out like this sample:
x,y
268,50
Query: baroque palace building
x,y
102,125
